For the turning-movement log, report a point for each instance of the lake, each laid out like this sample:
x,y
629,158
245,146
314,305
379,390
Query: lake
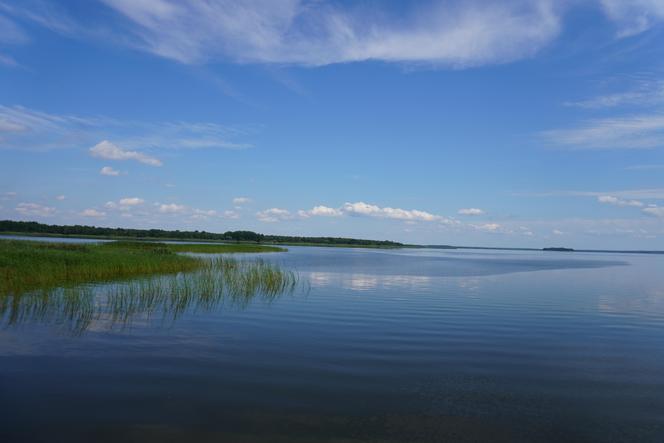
x,y
412,345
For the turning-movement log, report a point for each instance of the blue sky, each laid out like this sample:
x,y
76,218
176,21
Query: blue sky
x,y
498,123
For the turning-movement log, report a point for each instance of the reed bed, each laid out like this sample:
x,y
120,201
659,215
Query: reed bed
x,y
219,282
29,265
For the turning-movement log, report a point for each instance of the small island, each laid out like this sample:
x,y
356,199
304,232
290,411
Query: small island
x,y
558,249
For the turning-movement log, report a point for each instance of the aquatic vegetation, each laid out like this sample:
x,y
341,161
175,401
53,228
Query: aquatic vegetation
x,y
29,265
218,282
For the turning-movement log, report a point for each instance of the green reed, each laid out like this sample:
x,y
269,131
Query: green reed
x,y
218,282
30,265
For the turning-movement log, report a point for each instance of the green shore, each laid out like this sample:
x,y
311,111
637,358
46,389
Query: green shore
x,y
30,265
215,242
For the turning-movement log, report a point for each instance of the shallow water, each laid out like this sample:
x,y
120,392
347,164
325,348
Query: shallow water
x,y
382,346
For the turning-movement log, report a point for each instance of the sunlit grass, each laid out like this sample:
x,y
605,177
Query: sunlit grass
x,y
28,265
205,286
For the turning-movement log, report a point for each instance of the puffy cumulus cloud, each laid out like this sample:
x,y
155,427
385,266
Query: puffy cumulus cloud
x,y
612,200
656,211
312,33
321,211
35,210
273,215
93,213
365,209
470,211
110,151
171,208
240,201
60,197
107,170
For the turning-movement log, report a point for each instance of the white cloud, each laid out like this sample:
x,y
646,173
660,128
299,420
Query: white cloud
x,y
274,215
110,151
34,209
239,201
28,129
643,194
107,170
488,227
611,200
470,211
124,204
634,16
635,132
646,93
5,196
231,214
361,208
60,197
171,208
131,201
657,211
321,211
557,232
455,33
92,213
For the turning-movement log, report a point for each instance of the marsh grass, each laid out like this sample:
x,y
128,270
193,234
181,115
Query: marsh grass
x,y
219,282
29,265
79,285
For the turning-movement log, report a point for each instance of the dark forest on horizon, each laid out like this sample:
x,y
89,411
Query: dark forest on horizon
x,y
31,227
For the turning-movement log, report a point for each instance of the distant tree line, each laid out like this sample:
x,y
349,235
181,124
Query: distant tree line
x,y
236,236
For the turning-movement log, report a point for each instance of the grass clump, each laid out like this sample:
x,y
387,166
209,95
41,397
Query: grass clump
x,y
30,265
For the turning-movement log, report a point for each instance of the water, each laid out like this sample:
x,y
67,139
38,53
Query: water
x,y
382,346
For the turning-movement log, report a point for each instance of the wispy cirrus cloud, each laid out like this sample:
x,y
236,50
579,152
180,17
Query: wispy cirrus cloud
x,y
633,132
656,211
634,16
452,33
455,33
637,194
110,151
646,92
612,200
29,129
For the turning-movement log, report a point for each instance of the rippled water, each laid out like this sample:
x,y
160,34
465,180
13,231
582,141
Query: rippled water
x,y
382,346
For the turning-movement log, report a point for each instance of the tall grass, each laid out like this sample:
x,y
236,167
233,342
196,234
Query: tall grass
x,y
219,282
29,265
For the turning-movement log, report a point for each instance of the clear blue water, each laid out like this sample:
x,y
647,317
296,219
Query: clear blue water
x,y
382,346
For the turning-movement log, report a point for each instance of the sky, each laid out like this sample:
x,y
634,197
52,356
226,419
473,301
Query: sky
x,y
525,123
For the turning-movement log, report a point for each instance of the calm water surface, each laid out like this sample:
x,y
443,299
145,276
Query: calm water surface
x,y
381,346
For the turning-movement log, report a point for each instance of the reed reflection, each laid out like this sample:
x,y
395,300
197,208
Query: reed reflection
x,y
221,282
